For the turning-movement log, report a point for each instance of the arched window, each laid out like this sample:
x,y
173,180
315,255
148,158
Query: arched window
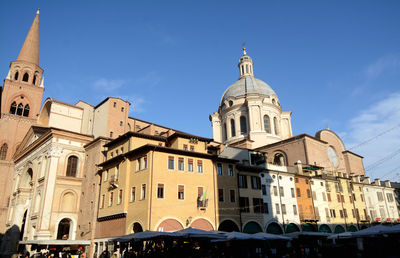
x,y
3,151
276,126
267,124
280,159
26,110
233,132
63,229
26,77
72,166
247,68
16,76
13,108
34,80
243,125
225,132
20,109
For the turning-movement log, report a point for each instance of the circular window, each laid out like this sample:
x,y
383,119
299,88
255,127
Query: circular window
x,y
291,179
273,176
333,158
280,178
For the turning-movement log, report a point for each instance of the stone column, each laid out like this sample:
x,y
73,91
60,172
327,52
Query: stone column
x,y
53,155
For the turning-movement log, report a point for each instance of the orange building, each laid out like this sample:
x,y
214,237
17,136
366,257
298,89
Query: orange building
x,y
305,202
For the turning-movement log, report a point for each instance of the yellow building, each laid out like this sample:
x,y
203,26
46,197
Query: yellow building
x,y
162,183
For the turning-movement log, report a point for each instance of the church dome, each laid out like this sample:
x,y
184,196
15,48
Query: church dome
x,y
249,85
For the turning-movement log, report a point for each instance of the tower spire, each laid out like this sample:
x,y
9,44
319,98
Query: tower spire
x,y
30,50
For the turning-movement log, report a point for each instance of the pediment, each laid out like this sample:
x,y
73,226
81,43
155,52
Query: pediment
x,y
34,133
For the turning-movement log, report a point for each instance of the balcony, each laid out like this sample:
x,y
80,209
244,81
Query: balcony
x,y
113,182
202,204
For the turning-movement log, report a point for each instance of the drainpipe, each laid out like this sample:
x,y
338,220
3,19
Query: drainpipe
x,y
240,210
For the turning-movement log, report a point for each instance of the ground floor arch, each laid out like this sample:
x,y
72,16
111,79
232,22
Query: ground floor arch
x,y
137,227
353,228
228,226
308,227
168,225
64,229
252,227
339,229
202,224
325,228
274,228
291,227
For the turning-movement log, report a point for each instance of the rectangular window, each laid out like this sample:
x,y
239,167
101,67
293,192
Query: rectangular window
x,y
110,201
119,197
232,195
327,213
133,194
199,166
139,164
190,165
389,197
357,214
191,148
281,192
242,181
275,190
338,197
103,197
244,204
283,206
144,162
230,170
105,175
351,198
298,192
255,182
143,193
181,164
116,175
277,208
323,196
265,208
296,180
342,198
160,191
220,195
333,213
181,192
362,197
258,205
354,198
292,192
170,162
264,189
329,197
219,169
308,193
316,212
341,213
345,213
294,210
185,147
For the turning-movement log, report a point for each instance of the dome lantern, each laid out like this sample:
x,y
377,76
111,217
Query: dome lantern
x,y
245,65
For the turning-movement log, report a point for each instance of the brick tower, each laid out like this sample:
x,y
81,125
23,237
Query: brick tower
x,y
21,97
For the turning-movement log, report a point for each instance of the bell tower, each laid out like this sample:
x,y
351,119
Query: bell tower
x,y
20,100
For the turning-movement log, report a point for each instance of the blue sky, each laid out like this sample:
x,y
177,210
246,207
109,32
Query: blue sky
x,y
330,62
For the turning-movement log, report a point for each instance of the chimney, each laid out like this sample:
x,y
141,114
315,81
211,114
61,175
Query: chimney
x,y
367,180
387,183
377,181
299,167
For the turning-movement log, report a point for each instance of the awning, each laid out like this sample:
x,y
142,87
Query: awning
x,y
55,242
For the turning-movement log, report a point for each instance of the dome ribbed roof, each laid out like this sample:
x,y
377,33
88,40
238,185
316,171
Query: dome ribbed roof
x,y
253,85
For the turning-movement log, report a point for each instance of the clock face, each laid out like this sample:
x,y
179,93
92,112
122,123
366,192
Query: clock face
x,y
332,156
